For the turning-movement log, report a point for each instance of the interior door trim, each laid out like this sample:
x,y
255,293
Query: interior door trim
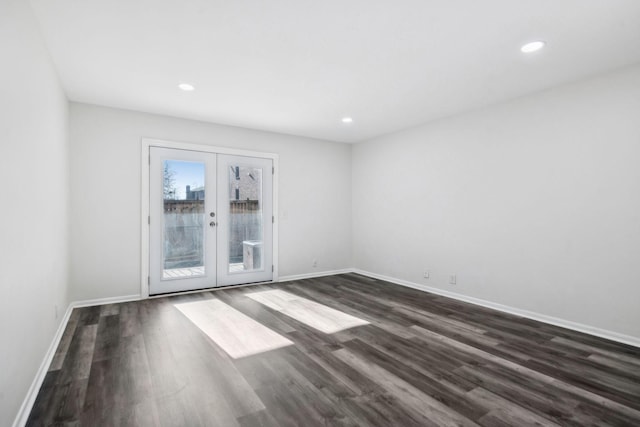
x,y
146,144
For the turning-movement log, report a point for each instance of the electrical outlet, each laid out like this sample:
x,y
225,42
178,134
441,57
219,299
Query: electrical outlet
x,y
452,279
314,264
426,274
55,309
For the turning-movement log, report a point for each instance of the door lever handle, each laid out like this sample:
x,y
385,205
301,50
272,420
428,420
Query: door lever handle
x,y
212,224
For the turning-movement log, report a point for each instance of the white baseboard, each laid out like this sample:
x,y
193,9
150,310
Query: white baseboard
x,y
23,414
103,301
314,274
587,329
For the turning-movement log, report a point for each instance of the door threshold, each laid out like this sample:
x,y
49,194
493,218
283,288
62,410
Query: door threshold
x,y
215,288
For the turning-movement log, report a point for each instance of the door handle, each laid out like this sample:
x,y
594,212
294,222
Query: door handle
x,y
212,224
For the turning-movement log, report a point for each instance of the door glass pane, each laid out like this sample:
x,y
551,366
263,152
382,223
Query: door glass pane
x,y
184,219
245,219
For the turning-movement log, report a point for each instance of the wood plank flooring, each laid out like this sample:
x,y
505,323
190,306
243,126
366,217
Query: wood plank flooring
x,y
423,360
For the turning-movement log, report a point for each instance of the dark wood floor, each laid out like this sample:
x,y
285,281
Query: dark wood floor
x,y
424,360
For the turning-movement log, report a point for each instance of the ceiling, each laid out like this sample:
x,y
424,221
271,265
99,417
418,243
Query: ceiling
x,y
299,66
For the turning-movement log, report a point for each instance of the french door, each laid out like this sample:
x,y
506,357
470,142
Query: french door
x,y
210,220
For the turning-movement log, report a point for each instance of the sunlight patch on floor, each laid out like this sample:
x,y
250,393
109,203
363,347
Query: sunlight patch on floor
x,y
236,333
311,313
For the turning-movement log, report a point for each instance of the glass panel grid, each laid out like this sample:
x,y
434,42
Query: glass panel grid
x,y
183,219
246,232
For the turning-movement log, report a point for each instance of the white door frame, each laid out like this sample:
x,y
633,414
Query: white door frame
x,y
146,144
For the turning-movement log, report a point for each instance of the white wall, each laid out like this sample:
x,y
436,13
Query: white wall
x,y
33,204
314,195
534,204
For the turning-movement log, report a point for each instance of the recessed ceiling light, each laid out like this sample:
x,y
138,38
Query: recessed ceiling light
x,y
186,87
347,120
532,46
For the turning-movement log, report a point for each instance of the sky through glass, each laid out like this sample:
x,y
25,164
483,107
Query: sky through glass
x,y
186,173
